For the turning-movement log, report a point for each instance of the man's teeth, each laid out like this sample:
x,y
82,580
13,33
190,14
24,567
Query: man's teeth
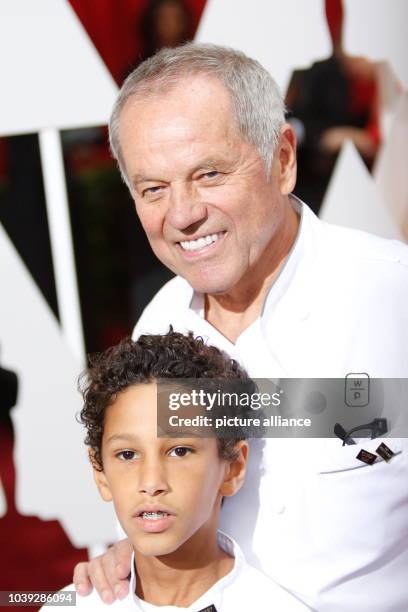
x,y
195,245
154,516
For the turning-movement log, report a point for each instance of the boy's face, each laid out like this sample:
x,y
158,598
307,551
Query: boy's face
x,y
164,490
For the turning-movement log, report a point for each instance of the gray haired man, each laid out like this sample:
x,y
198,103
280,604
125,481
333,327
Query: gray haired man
x,y
201,140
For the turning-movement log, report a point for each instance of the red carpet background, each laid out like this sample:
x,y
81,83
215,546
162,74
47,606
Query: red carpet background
x,y
35,554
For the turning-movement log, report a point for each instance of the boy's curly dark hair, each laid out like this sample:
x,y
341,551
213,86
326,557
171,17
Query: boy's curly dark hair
x,y
149,358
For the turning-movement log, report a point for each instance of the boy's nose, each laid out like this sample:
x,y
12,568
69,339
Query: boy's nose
x,y
153,480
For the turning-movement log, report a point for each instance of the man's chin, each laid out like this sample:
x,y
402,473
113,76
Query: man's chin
x,y
210,288
211,284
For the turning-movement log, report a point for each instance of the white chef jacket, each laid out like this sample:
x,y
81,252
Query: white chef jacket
x,y
243,589
330,529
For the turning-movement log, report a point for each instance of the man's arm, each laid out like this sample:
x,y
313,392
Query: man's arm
x,y
107,573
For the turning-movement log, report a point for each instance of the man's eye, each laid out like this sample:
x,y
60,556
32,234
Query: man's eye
x,y
152,190
180,451
126,455
211,174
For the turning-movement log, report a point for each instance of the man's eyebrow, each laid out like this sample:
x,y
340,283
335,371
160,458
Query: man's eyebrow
x,y
210,162
141,178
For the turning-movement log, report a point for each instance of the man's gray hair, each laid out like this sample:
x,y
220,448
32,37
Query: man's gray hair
x,y
258,104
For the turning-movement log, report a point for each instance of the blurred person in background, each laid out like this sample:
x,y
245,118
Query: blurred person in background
x,y
333,101
8,399
165,23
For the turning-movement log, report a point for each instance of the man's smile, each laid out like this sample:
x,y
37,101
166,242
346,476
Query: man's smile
x,y
201,244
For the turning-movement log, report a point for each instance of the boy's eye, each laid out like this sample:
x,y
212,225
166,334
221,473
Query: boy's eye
x,y
180,451
126,455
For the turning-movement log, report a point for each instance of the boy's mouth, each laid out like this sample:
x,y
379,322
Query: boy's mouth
x,y
153,516
154,519
154,522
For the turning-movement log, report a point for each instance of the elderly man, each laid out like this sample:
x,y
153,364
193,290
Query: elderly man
x,y
201,141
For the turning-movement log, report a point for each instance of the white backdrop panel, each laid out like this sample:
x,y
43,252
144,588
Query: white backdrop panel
x,y
390,173
50,72
378,30
54,477
352,199
283,36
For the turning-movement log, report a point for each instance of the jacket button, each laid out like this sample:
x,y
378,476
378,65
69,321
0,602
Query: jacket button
x,y
278,508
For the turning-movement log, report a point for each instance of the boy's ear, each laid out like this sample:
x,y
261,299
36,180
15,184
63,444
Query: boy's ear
x,y
100,478
235,472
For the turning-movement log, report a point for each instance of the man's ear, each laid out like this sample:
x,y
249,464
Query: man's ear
x,y
285,158
100,478
235,472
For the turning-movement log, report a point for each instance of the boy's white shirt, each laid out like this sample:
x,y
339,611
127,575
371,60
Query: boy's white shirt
x,y
243,588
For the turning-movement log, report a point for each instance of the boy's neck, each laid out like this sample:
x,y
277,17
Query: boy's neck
x,y
180,578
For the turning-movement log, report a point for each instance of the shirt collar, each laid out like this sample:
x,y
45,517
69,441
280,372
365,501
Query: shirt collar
x,y
288,269
213,595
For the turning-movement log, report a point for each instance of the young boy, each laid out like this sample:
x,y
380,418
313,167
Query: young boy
x,y
167,492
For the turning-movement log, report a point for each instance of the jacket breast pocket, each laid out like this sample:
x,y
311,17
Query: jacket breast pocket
x,y
362,509
338,458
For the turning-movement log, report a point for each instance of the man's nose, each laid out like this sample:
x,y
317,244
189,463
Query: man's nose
x,y
185,207
153,479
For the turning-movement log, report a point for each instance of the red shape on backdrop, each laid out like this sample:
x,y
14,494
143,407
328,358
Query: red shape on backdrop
x,y
112,27
334,15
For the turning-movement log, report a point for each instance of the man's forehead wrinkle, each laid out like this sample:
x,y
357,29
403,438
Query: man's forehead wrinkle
x,y
169,132
182,127
185,88
184,101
